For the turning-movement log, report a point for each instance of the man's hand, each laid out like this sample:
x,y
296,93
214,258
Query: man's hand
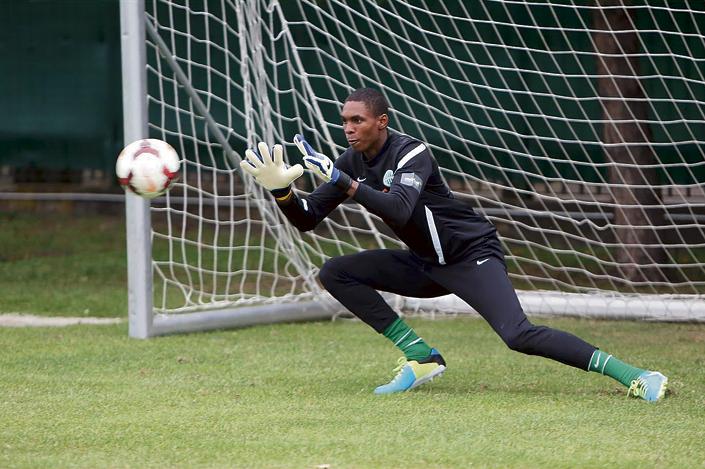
x,y
270,173
316,162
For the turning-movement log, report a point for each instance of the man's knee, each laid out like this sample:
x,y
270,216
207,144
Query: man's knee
x,y
332,272
514,341
522,339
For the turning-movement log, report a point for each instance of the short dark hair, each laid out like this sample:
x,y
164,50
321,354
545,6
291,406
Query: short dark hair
x,y
373,99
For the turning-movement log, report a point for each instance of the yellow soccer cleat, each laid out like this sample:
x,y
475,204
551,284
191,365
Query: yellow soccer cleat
x,y
411,374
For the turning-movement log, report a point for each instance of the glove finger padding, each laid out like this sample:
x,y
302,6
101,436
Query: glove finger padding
x,y
278,152
303,146
248,168
264,151
254,160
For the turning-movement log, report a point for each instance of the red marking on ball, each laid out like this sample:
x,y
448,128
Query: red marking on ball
x,y
170,176
145,148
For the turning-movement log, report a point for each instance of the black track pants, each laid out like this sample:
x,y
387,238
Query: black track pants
x,y
482,283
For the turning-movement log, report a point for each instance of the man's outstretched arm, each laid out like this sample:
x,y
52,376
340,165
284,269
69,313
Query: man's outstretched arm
x,y
273,175
395,206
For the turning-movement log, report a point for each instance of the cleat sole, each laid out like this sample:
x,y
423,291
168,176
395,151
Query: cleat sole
x,y
437,372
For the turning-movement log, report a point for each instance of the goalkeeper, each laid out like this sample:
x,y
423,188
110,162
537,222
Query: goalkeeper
x,y
452,249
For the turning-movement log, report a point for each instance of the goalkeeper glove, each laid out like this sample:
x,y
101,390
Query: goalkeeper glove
x,y
317,162
272,174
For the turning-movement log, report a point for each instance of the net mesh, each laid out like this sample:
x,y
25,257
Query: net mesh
x,y
577,128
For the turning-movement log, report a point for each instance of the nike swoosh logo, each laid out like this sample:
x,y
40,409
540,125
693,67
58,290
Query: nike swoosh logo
x,y
361,179
597,362
482,261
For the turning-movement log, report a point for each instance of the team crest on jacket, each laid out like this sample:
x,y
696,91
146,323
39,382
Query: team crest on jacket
x,y
388,178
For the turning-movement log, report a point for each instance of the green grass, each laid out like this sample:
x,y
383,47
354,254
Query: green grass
x,y
300,396
63,265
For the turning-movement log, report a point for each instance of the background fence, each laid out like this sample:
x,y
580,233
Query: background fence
x,y
61,88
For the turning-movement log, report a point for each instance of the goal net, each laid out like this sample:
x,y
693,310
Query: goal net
x,y
577,128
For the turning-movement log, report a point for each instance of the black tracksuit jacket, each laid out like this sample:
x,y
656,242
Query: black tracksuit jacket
x,y
404,187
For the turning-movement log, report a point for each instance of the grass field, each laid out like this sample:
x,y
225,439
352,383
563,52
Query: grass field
x,y
300,395
62,265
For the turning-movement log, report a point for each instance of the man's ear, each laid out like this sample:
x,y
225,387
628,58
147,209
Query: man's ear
x,y
382,122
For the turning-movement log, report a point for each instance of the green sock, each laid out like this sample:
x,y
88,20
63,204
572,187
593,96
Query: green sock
x,y
407,341
606,364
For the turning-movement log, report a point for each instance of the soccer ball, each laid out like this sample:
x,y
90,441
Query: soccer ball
x,y
147,167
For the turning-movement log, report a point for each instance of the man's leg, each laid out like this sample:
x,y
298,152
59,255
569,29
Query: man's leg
x,y
354,280
484,285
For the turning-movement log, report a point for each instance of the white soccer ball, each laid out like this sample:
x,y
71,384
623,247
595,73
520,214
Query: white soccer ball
x,y
147,167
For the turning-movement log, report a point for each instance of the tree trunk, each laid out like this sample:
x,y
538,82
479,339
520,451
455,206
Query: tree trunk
x,y
638,210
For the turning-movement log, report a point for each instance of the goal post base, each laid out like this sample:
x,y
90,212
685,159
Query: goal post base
x,y
644,307
544,303
229,318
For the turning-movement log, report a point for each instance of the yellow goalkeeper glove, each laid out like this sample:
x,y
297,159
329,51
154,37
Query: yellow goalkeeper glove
x,y
270,173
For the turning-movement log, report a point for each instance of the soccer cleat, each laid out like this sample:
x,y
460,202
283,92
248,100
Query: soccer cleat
x,y
650,386
411,374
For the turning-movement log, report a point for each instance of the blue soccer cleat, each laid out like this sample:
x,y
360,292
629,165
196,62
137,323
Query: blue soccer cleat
x,y
650,386
411,374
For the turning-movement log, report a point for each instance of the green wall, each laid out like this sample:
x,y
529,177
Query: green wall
x,y
61,88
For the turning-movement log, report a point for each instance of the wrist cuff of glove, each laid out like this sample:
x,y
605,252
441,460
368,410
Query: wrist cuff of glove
x,y
342,182
335,175
283,194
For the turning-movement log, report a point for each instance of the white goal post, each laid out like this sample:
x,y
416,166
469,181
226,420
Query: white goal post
x,y
576,127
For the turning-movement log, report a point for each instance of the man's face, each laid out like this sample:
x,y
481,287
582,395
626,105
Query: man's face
x,y
364,131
